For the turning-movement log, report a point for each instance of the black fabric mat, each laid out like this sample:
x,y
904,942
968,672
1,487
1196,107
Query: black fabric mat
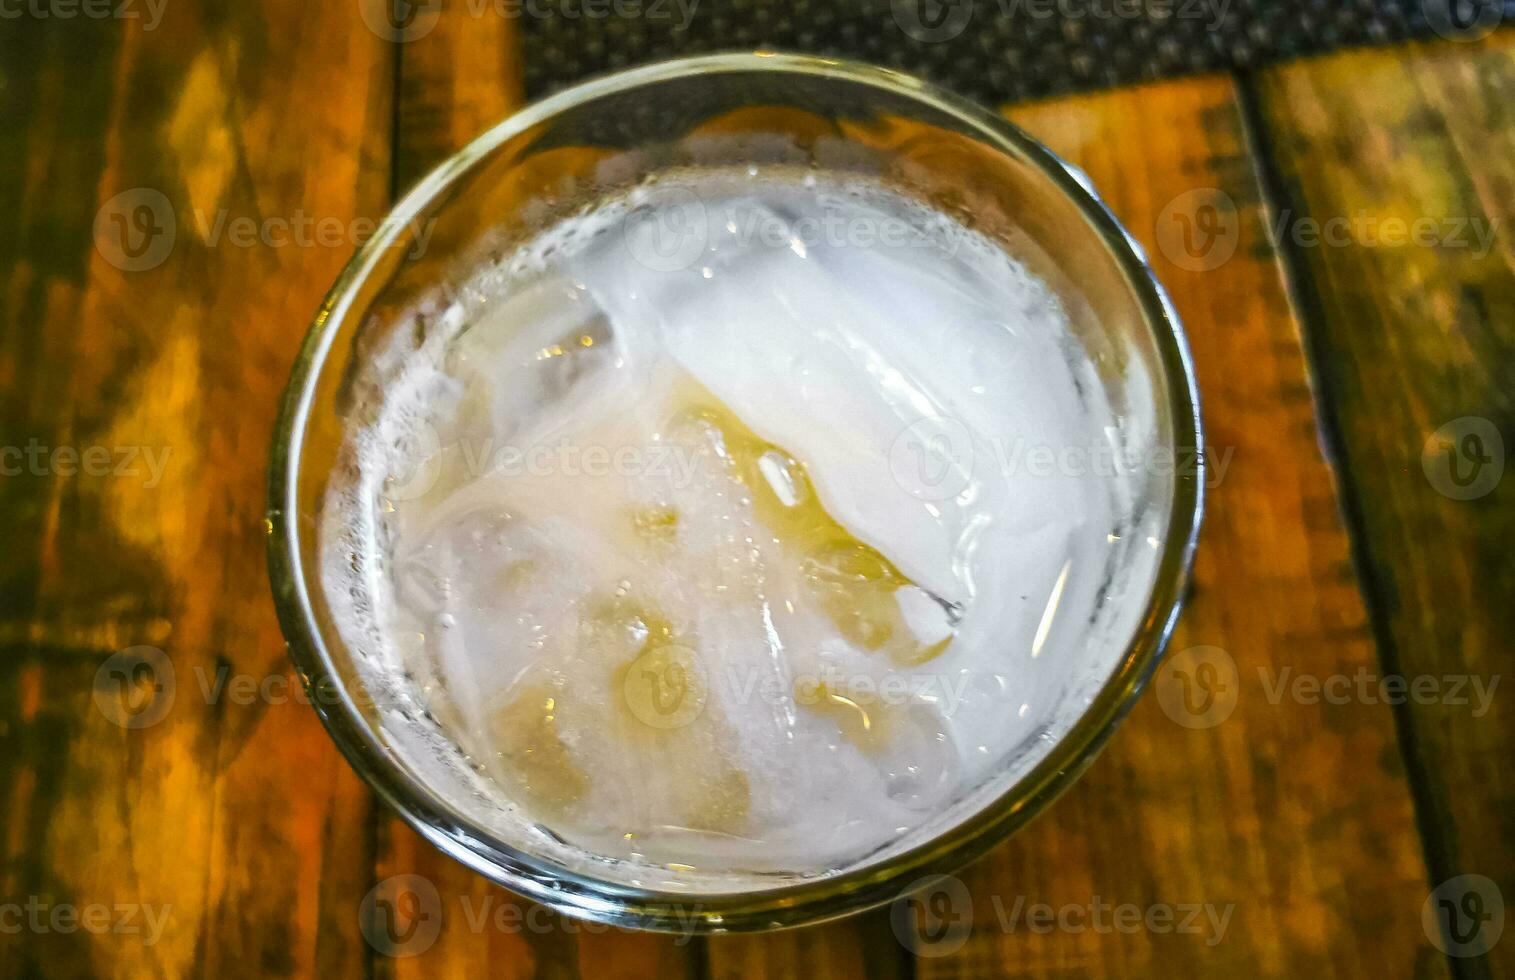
x,y
993,50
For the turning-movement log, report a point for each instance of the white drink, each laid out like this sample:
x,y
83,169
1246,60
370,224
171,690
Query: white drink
x,y
710,530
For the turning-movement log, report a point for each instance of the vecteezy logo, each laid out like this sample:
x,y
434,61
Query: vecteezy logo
x,y
134,231
1463,20
934,917
667,230
418,467
1464,916
401,916
135,687
932,459
665,686
399,21
930,21
1464,459
1198,230
1198,687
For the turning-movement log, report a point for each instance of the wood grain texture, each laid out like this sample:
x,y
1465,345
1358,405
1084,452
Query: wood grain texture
x,y
1295,816
1411,336
860,946
458,78
230,839
232,815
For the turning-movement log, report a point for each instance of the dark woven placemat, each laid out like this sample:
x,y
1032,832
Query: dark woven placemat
x,y
993,50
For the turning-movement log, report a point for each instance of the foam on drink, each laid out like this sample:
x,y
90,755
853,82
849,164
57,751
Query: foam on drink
x,y
706,530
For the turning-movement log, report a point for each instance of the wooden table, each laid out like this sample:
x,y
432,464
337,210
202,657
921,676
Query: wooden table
x,y
1346,354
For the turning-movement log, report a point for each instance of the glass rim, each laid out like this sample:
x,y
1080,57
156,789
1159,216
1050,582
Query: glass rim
x,y
826,897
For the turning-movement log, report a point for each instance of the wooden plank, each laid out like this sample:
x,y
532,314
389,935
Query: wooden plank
x,y
148,304
460,73
859,946
55,104
1286,828
1414,342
